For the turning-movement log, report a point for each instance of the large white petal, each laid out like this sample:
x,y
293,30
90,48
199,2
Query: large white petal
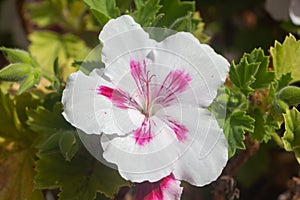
x,y
208,69
85,109
206,156
123,40
295,11
164,153
150,162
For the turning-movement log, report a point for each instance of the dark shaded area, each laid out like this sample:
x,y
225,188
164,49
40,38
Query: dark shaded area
x,y
239,26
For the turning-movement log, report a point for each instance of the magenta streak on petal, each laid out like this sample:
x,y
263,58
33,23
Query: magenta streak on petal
x,y
158,190
175,83
118,97
143,135
142,79
179,129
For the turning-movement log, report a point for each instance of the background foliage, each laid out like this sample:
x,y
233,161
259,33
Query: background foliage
x,y
41,155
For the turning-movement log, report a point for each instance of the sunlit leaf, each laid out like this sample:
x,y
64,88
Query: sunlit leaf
x,y
29,82
286,57
18,56
9,123
16,152
46,46
15,72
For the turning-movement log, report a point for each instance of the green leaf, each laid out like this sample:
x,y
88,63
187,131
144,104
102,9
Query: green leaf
x,y
81,178
16,176
29,82
263,77
103,10
174,9
291,137
12,111
23,103
146,12
44,13
51,144
16,153
69,15
139,4
252,72
15,72
286,57
259,126
46,46
48,122
234,129
242,75
284,80
18,56
68,145
264,126
10,125
290,95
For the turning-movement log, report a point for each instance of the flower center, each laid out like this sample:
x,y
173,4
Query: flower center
x,y
149,98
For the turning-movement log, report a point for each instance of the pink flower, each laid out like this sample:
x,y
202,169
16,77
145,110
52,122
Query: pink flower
x,y
167,188
149,104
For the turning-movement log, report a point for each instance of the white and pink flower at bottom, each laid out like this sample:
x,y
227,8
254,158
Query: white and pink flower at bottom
x,y
167,188
149,106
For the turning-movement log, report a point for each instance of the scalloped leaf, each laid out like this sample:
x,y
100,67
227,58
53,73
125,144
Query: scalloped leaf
x,y
252,72
234,129
103,10
286,57
146,13
242,75
81,178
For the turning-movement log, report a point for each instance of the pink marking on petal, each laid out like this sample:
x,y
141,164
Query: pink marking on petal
x,y
138,74
116,96
164,189
175,83
143,135
179,129
142,78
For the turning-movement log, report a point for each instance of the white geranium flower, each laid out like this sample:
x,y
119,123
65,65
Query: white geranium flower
x,y
282,10
149,105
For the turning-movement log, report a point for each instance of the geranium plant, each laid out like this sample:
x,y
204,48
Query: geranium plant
x,y
129,100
